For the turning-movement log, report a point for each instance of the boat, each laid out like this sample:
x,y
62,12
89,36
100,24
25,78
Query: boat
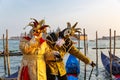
x,y
72,68
115,65
11,77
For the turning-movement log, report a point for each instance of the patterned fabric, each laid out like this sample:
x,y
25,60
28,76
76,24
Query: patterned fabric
x,y
59,67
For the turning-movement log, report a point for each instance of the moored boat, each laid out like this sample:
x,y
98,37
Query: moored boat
x,y
11,77
115,65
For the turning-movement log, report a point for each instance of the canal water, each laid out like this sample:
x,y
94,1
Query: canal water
x,y
91,53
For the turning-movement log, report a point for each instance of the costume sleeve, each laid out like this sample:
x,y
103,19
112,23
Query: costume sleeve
x,y
27,47
22,45
74,51
49,56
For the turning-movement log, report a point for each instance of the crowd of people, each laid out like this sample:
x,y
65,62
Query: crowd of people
x,y
43,53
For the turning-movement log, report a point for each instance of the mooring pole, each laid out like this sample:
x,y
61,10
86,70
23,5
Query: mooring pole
x,y
79,43
97,72
7,53
4,55
110,58
78,40
84,53
114,42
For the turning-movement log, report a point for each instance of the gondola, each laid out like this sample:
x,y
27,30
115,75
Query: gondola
x,y
115,65
72,68
11,77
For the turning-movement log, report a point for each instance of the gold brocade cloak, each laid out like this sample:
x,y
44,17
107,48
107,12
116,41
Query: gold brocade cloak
x,y
33,57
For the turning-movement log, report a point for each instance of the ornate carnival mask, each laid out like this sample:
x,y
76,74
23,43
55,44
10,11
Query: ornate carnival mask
x,y
37,26
70,31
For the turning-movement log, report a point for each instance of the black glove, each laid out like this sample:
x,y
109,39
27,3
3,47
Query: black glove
x,y
57,56
92,64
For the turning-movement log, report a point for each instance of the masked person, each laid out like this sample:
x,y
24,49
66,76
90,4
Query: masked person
x,y
33,47
61,42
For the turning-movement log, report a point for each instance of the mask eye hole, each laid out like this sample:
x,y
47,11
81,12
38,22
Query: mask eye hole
x,y
67,32
33,30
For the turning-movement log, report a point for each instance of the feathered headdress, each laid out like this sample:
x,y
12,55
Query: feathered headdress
x,y
71,30
40,25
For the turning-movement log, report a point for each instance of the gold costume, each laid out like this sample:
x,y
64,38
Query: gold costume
x,y
33,57
33,66
58,67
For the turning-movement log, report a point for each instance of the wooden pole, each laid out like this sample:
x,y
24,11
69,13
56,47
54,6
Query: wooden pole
x,y
114,42
79,41
110,58
4,55
7,52
97,54
85,54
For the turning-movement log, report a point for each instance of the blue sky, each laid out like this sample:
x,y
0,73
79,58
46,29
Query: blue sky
x,y
93,15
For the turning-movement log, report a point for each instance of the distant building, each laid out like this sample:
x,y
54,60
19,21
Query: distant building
x,y
107,38
81,37
14,38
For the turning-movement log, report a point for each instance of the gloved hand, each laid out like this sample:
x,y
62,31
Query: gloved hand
x,y
92,64
57,56
33,42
